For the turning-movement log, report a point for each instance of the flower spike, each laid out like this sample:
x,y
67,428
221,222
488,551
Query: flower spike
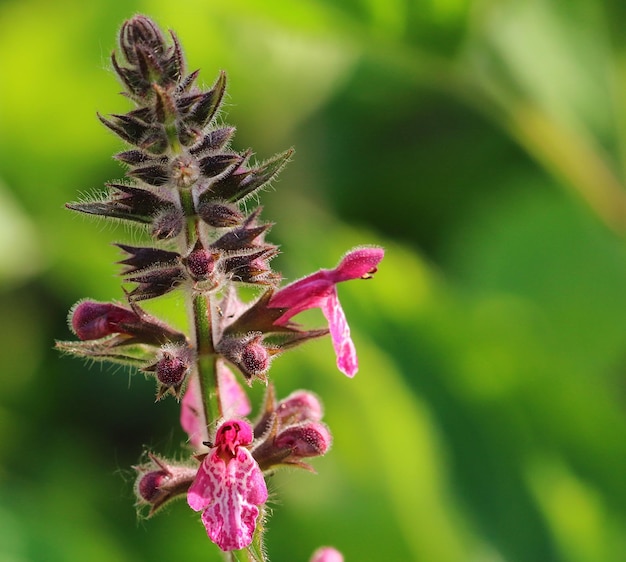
x,y
202,239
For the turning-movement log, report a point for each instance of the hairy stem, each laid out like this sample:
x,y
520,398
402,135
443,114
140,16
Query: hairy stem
x,y
201,308
206,359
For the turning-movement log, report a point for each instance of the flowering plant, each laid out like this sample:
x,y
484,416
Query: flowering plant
x,y
186,186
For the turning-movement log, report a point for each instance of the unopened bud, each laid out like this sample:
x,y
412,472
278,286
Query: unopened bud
x,y
255,359
282,446
140,33
299,406
171,370
160,481
148,485
248,353
327,554
92,320
140,258
305,440
200,263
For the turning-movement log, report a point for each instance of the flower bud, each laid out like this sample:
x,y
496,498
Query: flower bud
x,y
217,164
212,141
150,60
248,353
304,440
288,446
140,33
173,364
255,359
327,554
207,105
200,263
171,370
242,182
92,320
299,406
153,174
160,481
248,236
147,487
127,202
290,431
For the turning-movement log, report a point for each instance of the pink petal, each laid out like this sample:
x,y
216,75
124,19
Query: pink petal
x,y
327,554
228,492
306,293
231,306
191,413
313,290
347,361
234,402
300,405
358,263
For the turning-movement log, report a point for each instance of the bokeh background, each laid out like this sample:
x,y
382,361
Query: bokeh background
x,y
482,142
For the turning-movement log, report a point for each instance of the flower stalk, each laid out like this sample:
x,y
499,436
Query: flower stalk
x,y
206,368
185,186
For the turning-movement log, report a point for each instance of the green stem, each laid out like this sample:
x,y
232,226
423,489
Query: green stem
x,y
191,227
206,359
201,307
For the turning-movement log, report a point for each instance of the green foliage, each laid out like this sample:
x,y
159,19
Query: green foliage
x,y
482,143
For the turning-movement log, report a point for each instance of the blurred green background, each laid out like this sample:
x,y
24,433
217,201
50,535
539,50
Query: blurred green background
x,y
483,143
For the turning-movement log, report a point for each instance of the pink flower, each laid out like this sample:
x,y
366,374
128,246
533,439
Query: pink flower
x,y
228,488
327,554
319,291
